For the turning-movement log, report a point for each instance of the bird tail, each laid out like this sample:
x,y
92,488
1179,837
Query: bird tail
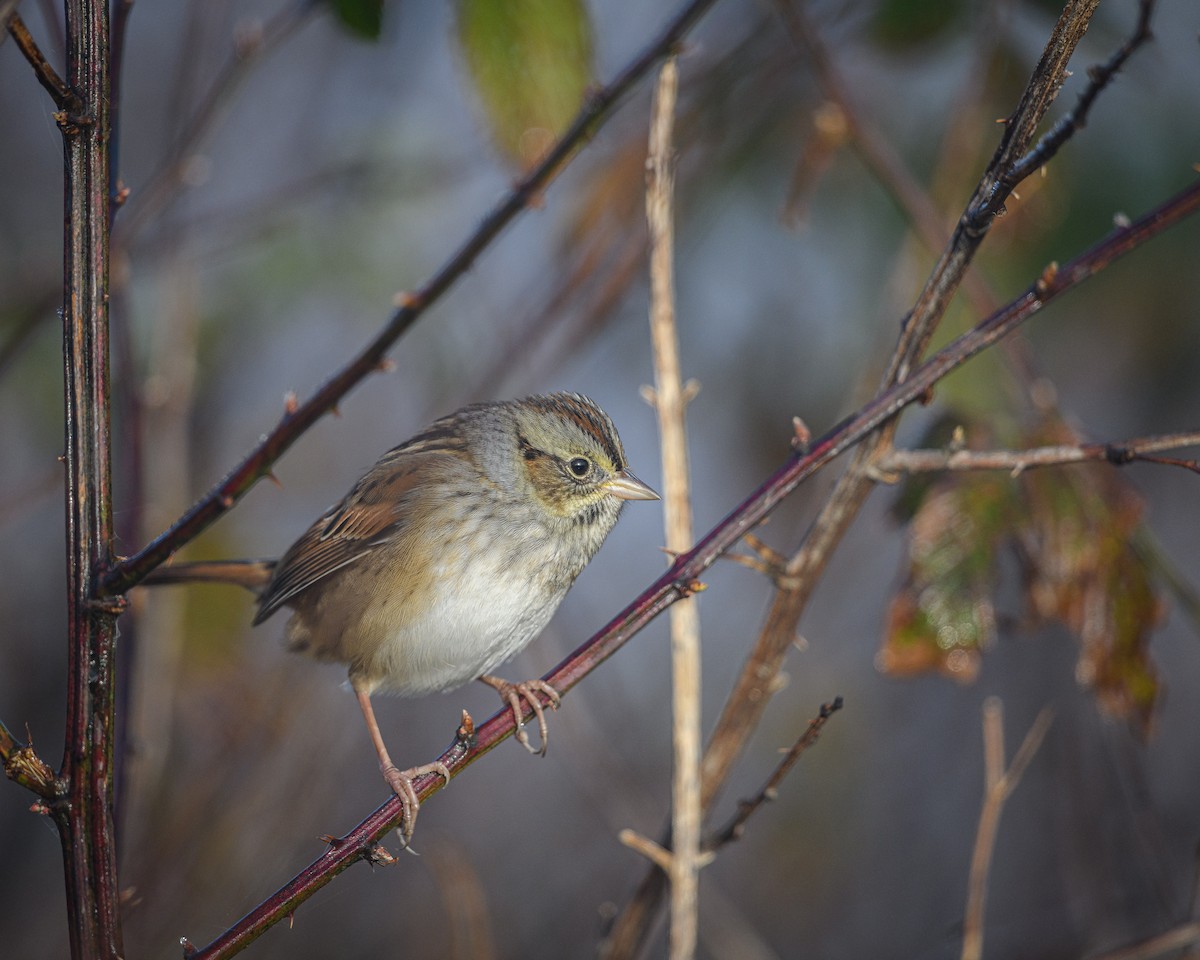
x,y
253,575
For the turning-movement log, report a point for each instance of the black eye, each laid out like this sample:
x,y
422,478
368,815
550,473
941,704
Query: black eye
x,y
580,466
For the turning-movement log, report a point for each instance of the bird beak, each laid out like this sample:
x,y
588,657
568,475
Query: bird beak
x,y
626,486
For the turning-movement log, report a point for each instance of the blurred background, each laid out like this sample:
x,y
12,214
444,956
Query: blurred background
x,y
289,176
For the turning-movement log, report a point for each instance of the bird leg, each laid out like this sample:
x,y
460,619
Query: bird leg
x,y
399,780
527,690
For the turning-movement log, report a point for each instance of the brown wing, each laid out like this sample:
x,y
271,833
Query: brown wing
x,y
375,511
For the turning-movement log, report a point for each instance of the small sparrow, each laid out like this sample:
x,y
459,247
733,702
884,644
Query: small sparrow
x,y
448,557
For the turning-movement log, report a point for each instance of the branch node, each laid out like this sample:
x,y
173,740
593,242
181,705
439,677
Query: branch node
x,y
113,605
1118,454
189,949
377,855
657,855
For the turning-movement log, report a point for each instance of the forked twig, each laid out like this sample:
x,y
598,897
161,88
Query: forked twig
x,y
999,784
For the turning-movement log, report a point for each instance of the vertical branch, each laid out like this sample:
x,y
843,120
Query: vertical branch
x,y
670,400
998,784
85,819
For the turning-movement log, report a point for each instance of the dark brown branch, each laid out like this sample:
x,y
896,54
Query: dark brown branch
x,y
293,423
684,573
85,818
60,91
736,826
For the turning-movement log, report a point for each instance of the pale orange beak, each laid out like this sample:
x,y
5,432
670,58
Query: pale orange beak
x,y
626,486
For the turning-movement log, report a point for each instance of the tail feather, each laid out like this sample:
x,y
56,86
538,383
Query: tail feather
x,y
253,575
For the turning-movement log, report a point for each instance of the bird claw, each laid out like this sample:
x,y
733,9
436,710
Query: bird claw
x,y
527,690
401,782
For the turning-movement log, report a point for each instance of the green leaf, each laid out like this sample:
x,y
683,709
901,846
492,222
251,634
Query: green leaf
x,y
1076,529
943,617
1084,570
530,63
364,18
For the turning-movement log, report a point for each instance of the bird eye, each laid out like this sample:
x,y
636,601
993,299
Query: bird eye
x,y
580,466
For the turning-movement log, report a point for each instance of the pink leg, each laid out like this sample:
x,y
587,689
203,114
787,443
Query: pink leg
x,y
399,780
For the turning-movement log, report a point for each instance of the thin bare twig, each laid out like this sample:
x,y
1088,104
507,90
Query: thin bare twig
x,y
1099,77
257,464
736,826
670,403
999,784
1017,461
66,99
679,581
1185,935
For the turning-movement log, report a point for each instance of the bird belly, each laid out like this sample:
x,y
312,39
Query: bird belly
x,y
463,634
475,611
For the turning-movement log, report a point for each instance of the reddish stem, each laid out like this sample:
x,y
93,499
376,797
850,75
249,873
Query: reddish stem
x,y
679,580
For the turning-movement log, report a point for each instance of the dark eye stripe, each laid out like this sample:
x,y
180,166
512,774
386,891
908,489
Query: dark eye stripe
x,y
589,418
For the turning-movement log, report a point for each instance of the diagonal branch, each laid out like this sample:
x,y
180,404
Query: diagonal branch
x,y
66,99
257,463
736,826
682,577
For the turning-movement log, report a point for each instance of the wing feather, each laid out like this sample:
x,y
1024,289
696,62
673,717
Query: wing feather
x,y
377,510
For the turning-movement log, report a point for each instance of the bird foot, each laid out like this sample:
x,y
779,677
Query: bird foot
x,y
401,782
527,690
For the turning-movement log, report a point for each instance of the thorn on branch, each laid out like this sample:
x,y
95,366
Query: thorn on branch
x,y
464,736
1046,281
386,365
189,950
801,436
291,403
